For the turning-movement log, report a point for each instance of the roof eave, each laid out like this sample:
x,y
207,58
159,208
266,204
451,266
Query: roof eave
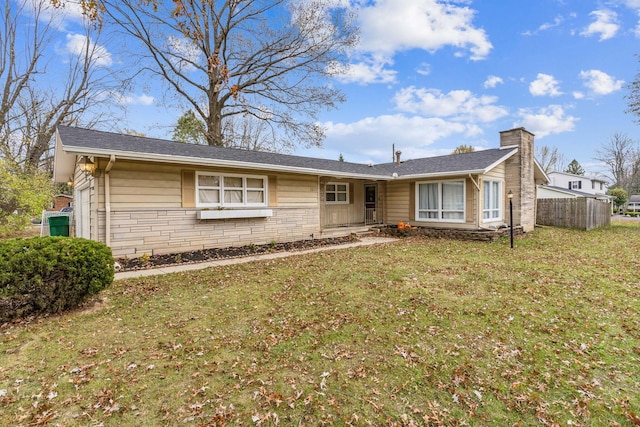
x,y
441,174
197,161
501,160
63,163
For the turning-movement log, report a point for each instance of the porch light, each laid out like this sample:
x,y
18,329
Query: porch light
x,y
70,182
87,166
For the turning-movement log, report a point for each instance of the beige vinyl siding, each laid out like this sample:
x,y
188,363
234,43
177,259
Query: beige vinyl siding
x,y
145,185
338,214
296,190
162,186
398,200
495,173
382,201
471,201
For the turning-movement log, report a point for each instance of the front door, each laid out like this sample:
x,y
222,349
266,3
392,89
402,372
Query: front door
x,y
371,203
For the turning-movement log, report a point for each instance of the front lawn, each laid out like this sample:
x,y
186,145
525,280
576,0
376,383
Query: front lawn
x,y
419,332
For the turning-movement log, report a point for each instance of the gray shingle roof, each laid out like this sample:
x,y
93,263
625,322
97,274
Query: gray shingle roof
x,y
569,191
93,142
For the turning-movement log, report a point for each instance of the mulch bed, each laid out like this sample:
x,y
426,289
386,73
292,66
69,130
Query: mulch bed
x,y
163,260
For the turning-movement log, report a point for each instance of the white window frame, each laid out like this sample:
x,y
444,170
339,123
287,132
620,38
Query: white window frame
x,y
493,193
440,210
575,185
221,188
336,192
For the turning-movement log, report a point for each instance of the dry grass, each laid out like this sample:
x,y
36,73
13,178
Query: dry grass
x,y
422,332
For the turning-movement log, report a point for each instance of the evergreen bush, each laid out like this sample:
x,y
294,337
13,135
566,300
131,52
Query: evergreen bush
x,y
45,275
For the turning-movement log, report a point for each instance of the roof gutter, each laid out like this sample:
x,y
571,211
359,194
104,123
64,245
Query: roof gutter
x,y
441,174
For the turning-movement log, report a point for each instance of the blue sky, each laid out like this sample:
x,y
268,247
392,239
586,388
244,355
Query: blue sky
x,y
431,75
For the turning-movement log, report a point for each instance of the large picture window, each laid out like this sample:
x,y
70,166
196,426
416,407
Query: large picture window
x,y
337,193
492,200
218,190
440,201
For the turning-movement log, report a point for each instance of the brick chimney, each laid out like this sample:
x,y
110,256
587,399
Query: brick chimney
x,y
519,177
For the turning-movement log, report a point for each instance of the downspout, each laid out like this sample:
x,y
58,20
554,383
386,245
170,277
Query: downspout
x,y
107,200
474,182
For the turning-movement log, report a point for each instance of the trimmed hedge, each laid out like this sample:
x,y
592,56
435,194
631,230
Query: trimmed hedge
x,y
50,274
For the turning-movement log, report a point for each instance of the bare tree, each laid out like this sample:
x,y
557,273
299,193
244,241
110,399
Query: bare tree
x,y
249,133
267,60
32,105
621,155
633,98
549,158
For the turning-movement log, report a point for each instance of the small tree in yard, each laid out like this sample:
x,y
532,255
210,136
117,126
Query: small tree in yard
x,y
463,149
21,196
189,129
620,195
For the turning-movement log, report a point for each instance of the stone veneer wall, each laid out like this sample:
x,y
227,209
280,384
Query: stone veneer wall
x,y
519,177
138,231
454,234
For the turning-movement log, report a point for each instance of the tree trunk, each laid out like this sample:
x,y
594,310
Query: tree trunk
x,y
214,124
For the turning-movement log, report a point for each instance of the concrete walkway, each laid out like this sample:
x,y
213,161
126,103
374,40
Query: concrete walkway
x,y
364,241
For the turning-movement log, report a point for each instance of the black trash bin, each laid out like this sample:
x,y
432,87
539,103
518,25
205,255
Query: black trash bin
x,y
59,226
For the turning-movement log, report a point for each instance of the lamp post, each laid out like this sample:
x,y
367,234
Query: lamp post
x,y
510,196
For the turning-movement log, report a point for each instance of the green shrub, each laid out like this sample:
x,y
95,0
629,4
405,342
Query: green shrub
x,y
50,274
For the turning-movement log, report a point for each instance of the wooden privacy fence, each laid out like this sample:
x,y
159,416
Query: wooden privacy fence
x,y
581,213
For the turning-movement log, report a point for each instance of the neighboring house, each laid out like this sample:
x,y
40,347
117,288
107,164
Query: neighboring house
x,y
155,196
61,201
580,185
633,205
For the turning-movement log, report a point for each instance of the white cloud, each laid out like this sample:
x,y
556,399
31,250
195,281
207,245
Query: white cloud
x,y
461,105
77,45
185,53
58,17
133,100
605,24
544,85
546,26
370,70
389,26
546,121
424,69
600,83
578,95
492,81
412,135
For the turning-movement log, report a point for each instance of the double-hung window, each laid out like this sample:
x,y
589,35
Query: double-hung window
x,y
336,193
575,185
440,201
492,200
225,190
